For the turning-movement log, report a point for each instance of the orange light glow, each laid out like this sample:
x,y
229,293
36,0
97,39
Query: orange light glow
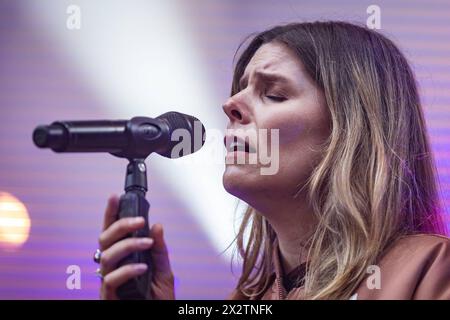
x,y
14,222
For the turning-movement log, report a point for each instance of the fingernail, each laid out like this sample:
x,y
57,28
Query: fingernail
x,y
145,241
140,267
137,220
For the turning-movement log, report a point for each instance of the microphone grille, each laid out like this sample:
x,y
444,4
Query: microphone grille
x,y
178,120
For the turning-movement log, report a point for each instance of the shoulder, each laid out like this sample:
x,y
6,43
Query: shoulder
x,y
421,249
413,267
424,239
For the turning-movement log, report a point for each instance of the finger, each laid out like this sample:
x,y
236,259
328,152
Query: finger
x,y
111,211
119,250
160,254
119,276
118,230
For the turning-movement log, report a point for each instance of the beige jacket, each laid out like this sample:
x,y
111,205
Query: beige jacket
x,y
414,267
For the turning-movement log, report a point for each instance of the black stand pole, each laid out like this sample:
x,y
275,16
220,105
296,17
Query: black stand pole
x,y
134,204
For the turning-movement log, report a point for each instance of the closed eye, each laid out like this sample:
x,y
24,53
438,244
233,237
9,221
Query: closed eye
x,y
276,98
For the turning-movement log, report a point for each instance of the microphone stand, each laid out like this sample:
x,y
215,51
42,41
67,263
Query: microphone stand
x,y
134,140
134,204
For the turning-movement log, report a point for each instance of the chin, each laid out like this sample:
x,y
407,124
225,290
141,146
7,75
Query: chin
x,y
241,184
235,181
230,180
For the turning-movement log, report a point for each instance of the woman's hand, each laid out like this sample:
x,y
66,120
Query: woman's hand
x,y
114,249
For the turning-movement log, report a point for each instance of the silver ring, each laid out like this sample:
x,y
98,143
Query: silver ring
x,y
97,256
99,274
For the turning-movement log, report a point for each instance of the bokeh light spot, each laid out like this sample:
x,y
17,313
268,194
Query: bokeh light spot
x,y
14,222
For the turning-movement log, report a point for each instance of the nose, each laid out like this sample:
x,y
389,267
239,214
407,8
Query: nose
x,y
235,111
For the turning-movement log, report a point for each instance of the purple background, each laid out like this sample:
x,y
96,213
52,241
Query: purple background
x,y
66,195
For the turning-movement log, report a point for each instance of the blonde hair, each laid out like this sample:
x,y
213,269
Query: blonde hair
x,y
377,179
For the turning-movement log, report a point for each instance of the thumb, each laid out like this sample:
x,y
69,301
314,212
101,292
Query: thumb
x,y
160,254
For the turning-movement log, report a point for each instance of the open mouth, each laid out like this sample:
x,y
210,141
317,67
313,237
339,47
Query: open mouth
x,y
235,144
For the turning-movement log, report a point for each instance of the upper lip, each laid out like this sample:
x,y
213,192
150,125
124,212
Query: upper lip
x,y
229,139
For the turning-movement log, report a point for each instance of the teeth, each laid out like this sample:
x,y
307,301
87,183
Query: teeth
x,y
236,145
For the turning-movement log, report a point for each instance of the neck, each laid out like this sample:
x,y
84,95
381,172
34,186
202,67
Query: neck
x,y
293,223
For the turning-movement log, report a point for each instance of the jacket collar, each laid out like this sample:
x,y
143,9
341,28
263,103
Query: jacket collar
x,y
291,280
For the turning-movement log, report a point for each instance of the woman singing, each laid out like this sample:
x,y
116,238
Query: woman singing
x,y
353,211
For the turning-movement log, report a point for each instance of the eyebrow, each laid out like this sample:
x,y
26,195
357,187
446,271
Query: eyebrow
x,y
268,77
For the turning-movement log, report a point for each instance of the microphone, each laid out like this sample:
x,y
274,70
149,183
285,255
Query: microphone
x,y
132,139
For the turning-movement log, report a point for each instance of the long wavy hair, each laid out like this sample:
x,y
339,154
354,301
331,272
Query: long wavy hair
x,y
377,179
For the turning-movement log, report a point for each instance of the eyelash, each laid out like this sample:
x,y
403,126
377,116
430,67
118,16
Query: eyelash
x,y
275,98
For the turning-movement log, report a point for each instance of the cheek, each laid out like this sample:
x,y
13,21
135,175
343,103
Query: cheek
x,y
291,127
304,120
301,138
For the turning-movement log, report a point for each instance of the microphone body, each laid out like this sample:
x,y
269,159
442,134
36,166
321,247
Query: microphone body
x,y
132,139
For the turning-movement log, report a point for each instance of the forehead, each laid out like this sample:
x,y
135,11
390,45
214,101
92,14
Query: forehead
x,y
274,56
